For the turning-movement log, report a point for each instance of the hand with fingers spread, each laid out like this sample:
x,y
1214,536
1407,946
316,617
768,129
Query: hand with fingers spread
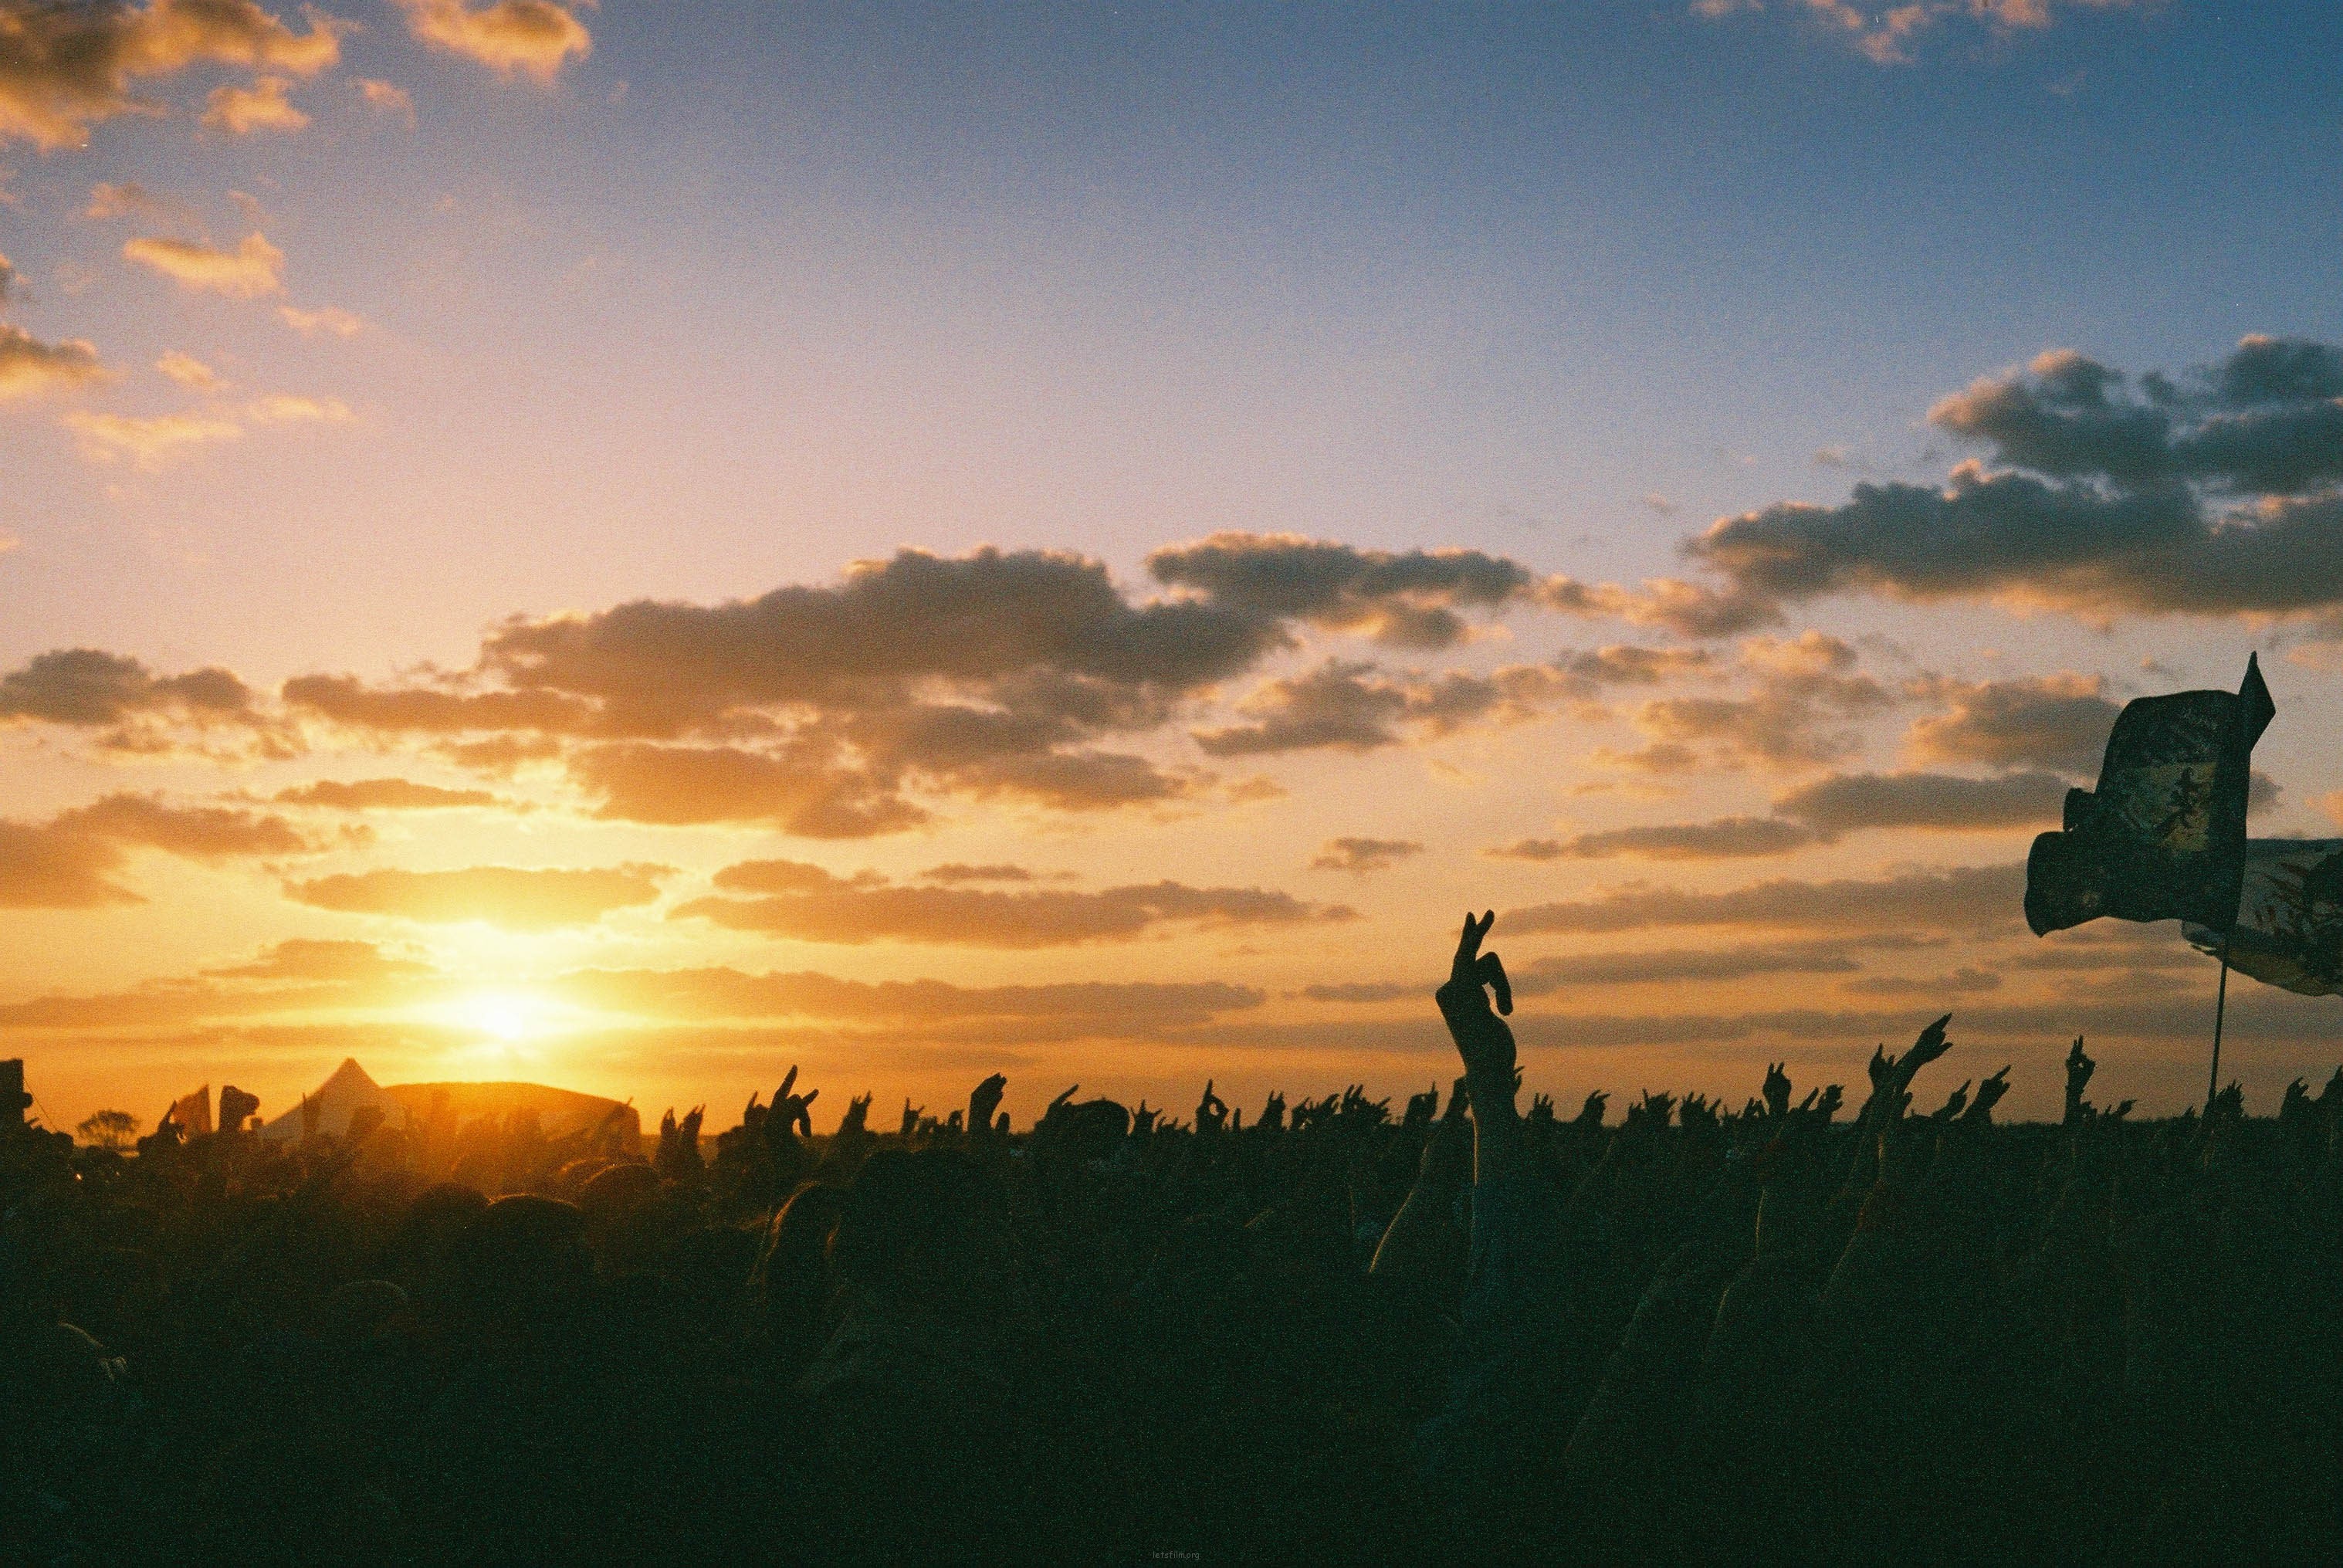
x,y
1272,1113
1590,1114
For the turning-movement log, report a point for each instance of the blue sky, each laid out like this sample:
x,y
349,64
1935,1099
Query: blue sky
x,y
720,306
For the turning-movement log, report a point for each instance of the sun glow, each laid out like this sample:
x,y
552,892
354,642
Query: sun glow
x,y
507,1017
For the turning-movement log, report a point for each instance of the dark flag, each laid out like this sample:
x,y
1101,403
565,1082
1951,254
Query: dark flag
x,y
2290,924
2164,835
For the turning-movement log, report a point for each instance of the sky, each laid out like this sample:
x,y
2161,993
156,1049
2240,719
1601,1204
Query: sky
x,y
538,541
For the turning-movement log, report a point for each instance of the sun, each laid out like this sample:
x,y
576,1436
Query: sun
x,y
508,1017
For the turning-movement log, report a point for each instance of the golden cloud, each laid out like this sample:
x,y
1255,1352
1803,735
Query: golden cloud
x,y
510,896
514,37
325,319
253,268
791,899
64,67
28,366
150,440
263,106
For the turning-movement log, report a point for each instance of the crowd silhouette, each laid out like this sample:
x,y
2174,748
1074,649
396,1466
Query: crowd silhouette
x,y
1329,1334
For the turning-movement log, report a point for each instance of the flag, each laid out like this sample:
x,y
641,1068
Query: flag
x,y
193,1112
2289,926
2164,835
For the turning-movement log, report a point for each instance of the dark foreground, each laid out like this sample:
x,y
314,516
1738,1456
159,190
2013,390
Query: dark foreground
x,y
1334,1334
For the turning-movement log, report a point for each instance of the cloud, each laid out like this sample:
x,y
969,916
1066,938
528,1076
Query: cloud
x,y
513,37
1802,692
1357,708
1409,600
131,199
87,688
500,895
790,898
1688,609
2054,721
28,366
324,319
310,958
824,709
1349,854
383,795
388,99
2211,494
190,372
209,833
1728,838
66,863
41,867
1846,802
1968,898
1546,975
815,797
1626,664
253,268
150,441
263,106
954,873
1963,981
64,67
728,993
1887,34
285,408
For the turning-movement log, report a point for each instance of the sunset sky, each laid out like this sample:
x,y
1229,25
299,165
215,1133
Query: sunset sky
x,y
631,547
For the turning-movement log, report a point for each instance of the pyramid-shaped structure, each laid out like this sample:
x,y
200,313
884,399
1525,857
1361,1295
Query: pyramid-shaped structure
x,y
348,1089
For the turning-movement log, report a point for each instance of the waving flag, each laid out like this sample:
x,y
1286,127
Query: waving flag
x,y
2164,835
2290,924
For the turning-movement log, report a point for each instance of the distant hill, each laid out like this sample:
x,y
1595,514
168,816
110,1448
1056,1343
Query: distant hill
x,y
558,1110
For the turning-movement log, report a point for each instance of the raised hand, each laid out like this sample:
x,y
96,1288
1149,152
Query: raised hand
x,y
1590,1113
856,1120
1931,1045
2079,1068
1272,1114
1833,1098
1988,1095
790,1112
1211,1111
983,1100
1777,1089
1541,1110
911,1116
1481,1039
1951,1106
1142,1120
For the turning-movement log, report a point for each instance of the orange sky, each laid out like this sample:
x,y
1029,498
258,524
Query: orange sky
x,y
529,549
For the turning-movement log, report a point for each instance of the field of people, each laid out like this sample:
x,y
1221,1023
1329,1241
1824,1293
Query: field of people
x,y
1331,1330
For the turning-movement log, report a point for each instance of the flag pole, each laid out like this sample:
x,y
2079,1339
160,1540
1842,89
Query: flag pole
x,y
2220,1008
